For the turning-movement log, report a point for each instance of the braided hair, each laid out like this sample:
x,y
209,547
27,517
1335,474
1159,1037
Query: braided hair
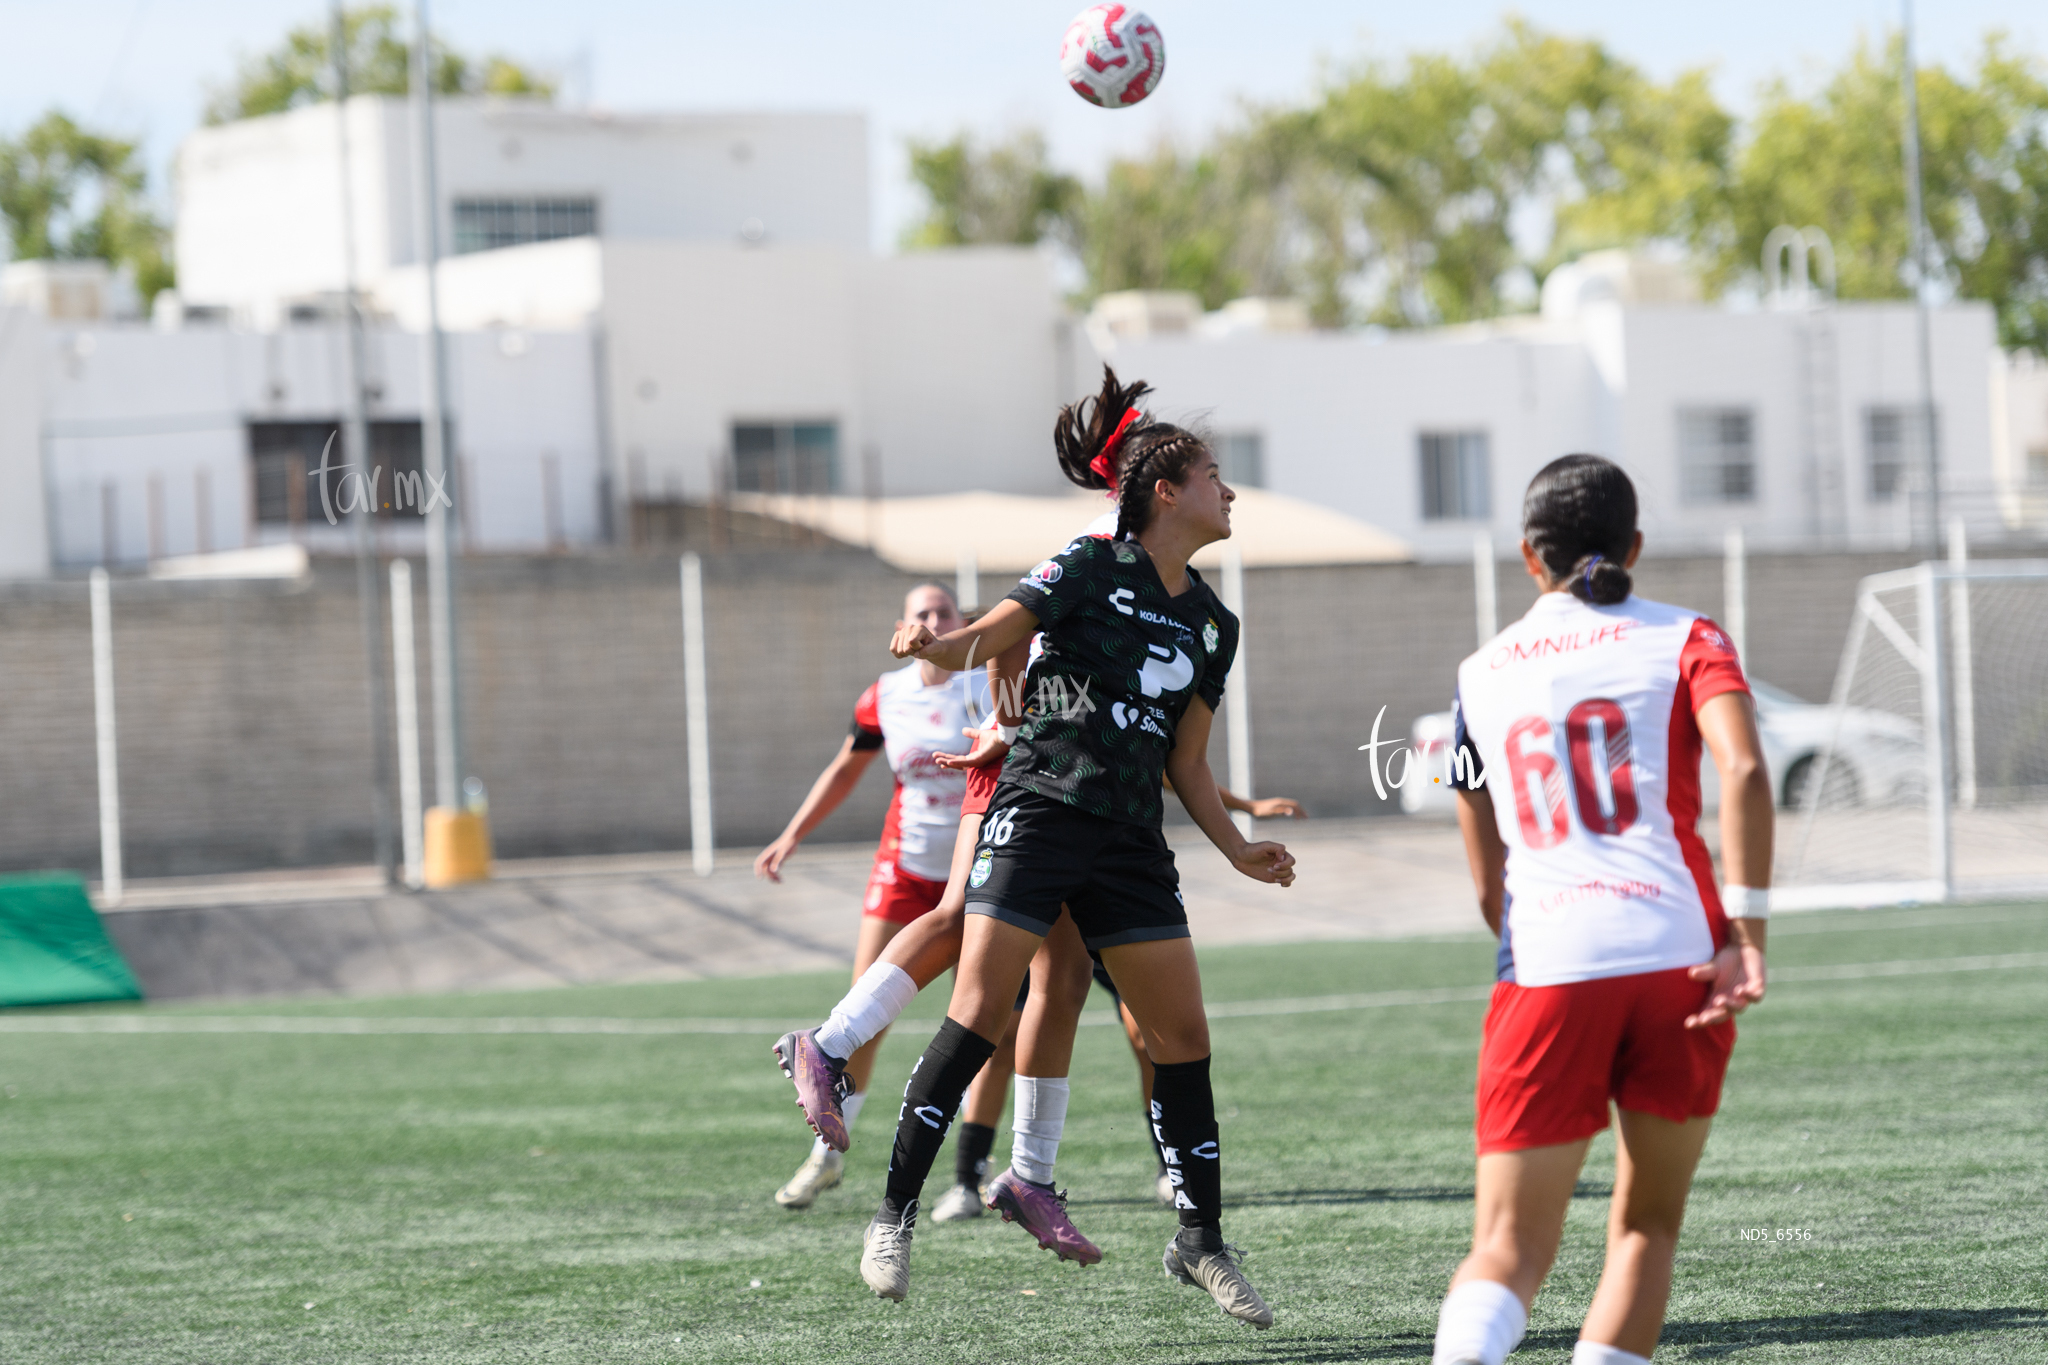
x,y
1579,516
1140,451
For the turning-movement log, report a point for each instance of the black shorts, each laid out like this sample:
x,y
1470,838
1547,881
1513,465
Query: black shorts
x,y
1117,880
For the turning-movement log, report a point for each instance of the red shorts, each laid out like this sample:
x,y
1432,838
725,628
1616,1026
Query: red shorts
x,y
981,785
1553,1056
898,896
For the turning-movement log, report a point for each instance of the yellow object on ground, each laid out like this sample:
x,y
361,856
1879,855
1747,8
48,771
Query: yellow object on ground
x,y
458,847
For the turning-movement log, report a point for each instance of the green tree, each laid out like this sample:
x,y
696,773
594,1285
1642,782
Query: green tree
x,y
300,69
1836,161
1445,154
70,193
1004,193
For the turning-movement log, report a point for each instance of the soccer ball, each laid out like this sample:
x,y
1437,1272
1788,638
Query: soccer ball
x,y
1112,55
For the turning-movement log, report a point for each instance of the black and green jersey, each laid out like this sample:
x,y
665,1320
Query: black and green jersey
x,y
1120,662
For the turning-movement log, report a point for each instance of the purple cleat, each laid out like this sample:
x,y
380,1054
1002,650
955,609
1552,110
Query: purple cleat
x,y
1043,1214
820,1084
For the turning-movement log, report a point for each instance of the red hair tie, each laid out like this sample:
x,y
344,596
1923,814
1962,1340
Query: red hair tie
x,y
1105,463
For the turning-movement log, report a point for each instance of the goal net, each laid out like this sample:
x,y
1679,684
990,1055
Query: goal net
x,y
1926,777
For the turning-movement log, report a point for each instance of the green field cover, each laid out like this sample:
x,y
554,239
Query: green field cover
x,y
53,948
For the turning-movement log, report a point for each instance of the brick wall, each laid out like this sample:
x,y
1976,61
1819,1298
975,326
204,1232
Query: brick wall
x,y
244,717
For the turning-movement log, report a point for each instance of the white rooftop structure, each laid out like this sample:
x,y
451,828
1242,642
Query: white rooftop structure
x,y
259,201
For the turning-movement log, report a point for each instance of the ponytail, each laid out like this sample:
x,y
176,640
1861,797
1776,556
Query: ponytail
x,y
1107,442
1579,516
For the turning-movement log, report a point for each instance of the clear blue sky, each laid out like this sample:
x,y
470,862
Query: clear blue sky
x,y
141,66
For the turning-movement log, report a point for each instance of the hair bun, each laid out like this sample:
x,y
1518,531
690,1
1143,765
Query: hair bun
x,y
1600,581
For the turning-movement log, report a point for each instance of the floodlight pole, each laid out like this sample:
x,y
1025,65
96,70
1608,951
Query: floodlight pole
x,y
356,452
449,760
1916,210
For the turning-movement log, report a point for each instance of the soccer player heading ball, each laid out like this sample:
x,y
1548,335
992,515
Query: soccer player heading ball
x,y
1135,651
1621,968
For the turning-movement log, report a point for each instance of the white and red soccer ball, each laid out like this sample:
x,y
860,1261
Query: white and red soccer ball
x,y
1112,55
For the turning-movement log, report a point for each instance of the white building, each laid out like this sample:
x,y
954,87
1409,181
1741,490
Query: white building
x,y
1797,423
661,309
259,201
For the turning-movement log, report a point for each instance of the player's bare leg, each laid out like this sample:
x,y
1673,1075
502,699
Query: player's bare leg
x,y
1654,1160
1518,1218
1161,984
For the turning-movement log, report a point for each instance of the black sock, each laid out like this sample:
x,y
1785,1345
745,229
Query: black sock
x,y
1184,1126
970,1153
930,1100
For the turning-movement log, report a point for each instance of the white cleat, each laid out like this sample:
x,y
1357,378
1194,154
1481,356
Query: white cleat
x,y
1218,1272
819,1173
885,1253
958,1204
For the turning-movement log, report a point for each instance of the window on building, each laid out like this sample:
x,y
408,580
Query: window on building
x,y
1717,455
1242,455
785,457
1895,445
1456,483
486,224
285,460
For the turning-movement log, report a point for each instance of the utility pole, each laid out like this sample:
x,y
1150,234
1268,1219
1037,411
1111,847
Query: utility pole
x,y
356,450
1916,210
449,769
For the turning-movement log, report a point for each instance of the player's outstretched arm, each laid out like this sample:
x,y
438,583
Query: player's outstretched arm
x,y
1485,851
1187,768
840,777
1262,807
1727,723
1005,626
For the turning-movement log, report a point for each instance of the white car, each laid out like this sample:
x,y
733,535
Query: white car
x,y
1876,757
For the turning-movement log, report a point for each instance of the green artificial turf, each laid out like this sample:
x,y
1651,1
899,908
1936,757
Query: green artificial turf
x,y
261,1197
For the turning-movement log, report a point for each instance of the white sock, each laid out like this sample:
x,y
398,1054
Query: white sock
x,y
1035,1132
863,1012
849,1109
1593,1353
1481,1321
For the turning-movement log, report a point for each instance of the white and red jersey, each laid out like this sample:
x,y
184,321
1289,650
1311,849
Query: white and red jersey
x,y
1581,719
913,722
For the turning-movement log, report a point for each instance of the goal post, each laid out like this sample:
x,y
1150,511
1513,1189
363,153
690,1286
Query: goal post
x,y
1929,780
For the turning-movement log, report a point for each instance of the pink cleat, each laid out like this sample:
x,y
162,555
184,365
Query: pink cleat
x,y
820,1084
1043,1214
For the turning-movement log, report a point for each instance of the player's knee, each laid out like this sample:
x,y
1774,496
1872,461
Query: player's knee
x,y
1180,1041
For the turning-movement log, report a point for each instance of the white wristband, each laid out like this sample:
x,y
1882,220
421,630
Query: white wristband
x,y
1007,733
1746,902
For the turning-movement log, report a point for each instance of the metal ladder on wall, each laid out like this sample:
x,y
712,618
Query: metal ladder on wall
x,y
1789,257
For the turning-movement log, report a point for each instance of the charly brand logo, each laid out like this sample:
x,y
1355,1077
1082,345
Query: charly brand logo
x,y
353,491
